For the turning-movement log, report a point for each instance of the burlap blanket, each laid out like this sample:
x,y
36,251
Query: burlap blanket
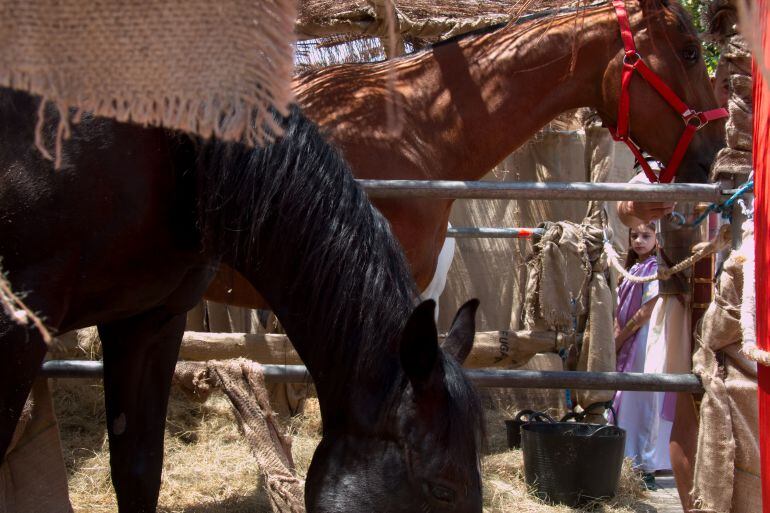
x,y
212,68
727,470
567,290
243,382
286,399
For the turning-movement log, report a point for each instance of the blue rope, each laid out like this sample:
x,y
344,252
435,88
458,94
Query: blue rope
x,y
725,208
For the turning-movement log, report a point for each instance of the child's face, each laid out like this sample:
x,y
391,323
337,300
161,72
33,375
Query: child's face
x,y
642,240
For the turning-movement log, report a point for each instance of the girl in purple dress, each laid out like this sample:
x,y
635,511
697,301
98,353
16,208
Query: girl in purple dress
x,y
639,413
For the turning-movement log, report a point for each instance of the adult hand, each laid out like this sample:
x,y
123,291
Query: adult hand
x,y
631,212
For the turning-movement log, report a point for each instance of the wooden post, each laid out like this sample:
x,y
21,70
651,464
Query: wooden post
x,y
702,284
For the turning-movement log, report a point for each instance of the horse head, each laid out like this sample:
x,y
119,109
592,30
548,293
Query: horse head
x,y
667,45
423,454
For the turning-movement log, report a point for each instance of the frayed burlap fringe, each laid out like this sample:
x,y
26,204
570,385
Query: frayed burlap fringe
x,y
15,308
211,68
244,384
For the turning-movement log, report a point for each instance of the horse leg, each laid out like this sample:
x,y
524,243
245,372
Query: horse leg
x,y
23,351
140,354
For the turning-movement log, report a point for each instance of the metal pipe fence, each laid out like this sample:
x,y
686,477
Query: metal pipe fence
x,y
481,377
463,232
585,191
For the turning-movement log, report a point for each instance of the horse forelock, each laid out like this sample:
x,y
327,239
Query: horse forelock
x,y
464,410
683,18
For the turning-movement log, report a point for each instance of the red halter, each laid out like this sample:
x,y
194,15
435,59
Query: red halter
x,y
693,120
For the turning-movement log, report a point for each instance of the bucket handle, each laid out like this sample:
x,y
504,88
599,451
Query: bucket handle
x,y
607,405
534,416
601,429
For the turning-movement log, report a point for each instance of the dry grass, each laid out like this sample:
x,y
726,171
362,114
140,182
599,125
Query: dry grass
x,y
208,467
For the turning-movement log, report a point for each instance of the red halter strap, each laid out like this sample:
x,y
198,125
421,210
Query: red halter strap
x,y
693,120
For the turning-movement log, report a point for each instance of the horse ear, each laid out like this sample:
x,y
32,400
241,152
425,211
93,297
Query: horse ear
x,y
419,344
459,341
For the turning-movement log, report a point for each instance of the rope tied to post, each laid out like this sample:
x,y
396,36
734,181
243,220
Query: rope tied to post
x,y
726,208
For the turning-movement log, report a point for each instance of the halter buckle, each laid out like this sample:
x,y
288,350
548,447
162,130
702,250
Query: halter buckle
x,y
693,118
631,58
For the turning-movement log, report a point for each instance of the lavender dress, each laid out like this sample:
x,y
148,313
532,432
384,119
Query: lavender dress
x,y
639,413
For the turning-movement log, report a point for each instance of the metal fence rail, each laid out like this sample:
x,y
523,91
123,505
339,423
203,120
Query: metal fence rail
x,y
481,377
463,232
585,191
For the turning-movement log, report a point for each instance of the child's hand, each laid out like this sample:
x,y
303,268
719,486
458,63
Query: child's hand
x,y
616,336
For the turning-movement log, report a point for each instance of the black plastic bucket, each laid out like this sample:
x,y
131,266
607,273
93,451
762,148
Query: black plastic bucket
x,y
570,462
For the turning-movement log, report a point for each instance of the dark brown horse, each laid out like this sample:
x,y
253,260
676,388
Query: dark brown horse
x,y
470,102
127,236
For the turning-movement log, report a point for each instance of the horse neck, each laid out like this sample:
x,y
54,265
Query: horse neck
x,y
468,104
522,77
291,219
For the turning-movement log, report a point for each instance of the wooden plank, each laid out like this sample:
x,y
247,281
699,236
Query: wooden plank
x,y
490,349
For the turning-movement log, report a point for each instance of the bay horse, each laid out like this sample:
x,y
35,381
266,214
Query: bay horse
x,y
126,236
469,102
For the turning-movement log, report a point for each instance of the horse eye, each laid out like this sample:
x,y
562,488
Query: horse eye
x,y
439,492
691,54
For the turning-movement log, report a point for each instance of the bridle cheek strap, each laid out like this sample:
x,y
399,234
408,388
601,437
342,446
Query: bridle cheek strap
x,y
693,120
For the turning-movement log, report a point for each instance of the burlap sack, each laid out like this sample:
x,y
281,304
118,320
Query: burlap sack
x,y
286,399
558,279
244,384
33,478
567,285
598,351
735,64
727,467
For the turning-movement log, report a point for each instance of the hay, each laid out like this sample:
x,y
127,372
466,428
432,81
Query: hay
x,y
208,466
